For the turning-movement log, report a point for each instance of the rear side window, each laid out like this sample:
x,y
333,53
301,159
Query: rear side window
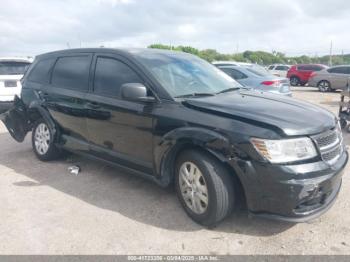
x,y
72,73
235,74
316,68
271,67
41,71
305,68
339,70
111,74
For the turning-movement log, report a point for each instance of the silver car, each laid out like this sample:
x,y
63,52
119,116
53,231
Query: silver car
x,y
331,79
257,78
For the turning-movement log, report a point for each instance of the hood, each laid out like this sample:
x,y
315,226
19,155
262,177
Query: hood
x,y
285,115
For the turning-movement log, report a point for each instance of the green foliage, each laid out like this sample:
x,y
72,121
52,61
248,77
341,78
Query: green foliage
x,y
259,57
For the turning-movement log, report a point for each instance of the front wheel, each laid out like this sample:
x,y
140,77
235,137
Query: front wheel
x,y
43,142
204,187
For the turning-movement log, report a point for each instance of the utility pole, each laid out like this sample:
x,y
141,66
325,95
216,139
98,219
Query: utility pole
x,y
330,54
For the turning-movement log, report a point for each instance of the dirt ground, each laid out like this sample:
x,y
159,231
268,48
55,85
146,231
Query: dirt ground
x,y
46,210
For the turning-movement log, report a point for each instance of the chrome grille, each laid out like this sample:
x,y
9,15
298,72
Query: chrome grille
x,y
330,145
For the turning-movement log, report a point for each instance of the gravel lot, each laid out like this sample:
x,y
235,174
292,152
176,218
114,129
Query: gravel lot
x,y
46,210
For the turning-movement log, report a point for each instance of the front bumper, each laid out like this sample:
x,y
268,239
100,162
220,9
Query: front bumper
x,y
294,193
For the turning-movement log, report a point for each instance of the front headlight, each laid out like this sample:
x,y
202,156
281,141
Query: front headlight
x,y
287,150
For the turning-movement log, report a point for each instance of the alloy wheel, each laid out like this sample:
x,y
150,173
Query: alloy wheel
x,y
42,139
323,86
193,188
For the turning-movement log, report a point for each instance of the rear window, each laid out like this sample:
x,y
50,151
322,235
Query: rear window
x,y
13,68
257,72
282,68
72,72
41,71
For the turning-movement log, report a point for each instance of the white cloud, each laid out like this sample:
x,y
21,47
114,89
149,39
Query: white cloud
x,y
294,27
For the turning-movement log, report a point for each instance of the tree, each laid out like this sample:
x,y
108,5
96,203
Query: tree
x,y
259,57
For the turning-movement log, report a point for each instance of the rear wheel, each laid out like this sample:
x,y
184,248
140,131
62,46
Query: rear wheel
x,y
324,86
204,187
294,81
43,142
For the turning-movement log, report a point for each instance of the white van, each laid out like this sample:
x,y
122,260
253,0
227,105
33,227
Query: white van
x,y
12,70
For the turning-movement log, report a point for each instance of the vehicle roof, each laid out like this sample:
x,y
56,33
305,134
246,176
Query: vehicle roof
x,y
340,66
125,51
279,65
246,70
230,62
16,59
310,64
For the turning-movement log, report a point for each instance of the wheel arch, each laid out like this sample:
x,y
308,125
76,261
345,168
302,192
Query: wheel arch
x,y
36,111
201,139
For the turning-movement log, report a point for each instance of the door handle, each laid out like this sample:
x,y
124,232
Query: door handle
x,y
93,105
43,95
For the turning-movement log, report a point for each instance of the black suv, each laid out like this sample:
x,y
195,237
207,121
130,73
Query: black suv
x,y
177,120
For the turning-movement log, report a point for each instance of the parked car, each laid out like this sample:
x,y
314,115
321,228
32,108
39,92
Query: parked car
x,y
300,74
331,79
260,80
175,119
243,64
279,70
11,72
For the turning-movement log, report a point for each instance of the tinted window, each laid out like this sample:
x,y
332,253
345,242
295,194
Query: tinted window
x,y
339,70
282,68
271,67
13,68
305,68
235,74
72,73
316,68
41,71
111,74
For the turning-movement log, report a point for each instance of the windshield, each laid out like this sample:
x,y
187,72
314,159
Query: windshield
x,y
13,68
182,74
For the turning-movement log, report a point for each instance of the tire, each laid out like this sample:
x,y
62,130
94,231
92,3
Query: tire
x,y
294,81
343,123
324,86
220,191
43,142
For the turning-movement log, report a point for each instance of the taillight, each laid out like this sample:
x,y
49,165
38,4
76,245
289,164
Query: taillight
x,y
274,83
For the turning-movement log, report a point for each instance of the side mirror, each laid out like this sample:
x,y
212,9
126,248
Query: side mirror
x,y
135,92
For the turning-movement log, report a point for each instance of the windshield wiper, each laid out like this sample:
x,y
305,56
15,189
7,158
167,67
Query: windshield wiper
x,y
195,95
229,90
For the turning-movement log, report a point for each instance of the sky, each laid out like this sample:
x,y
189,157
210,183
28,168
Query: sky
x,y
294,27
